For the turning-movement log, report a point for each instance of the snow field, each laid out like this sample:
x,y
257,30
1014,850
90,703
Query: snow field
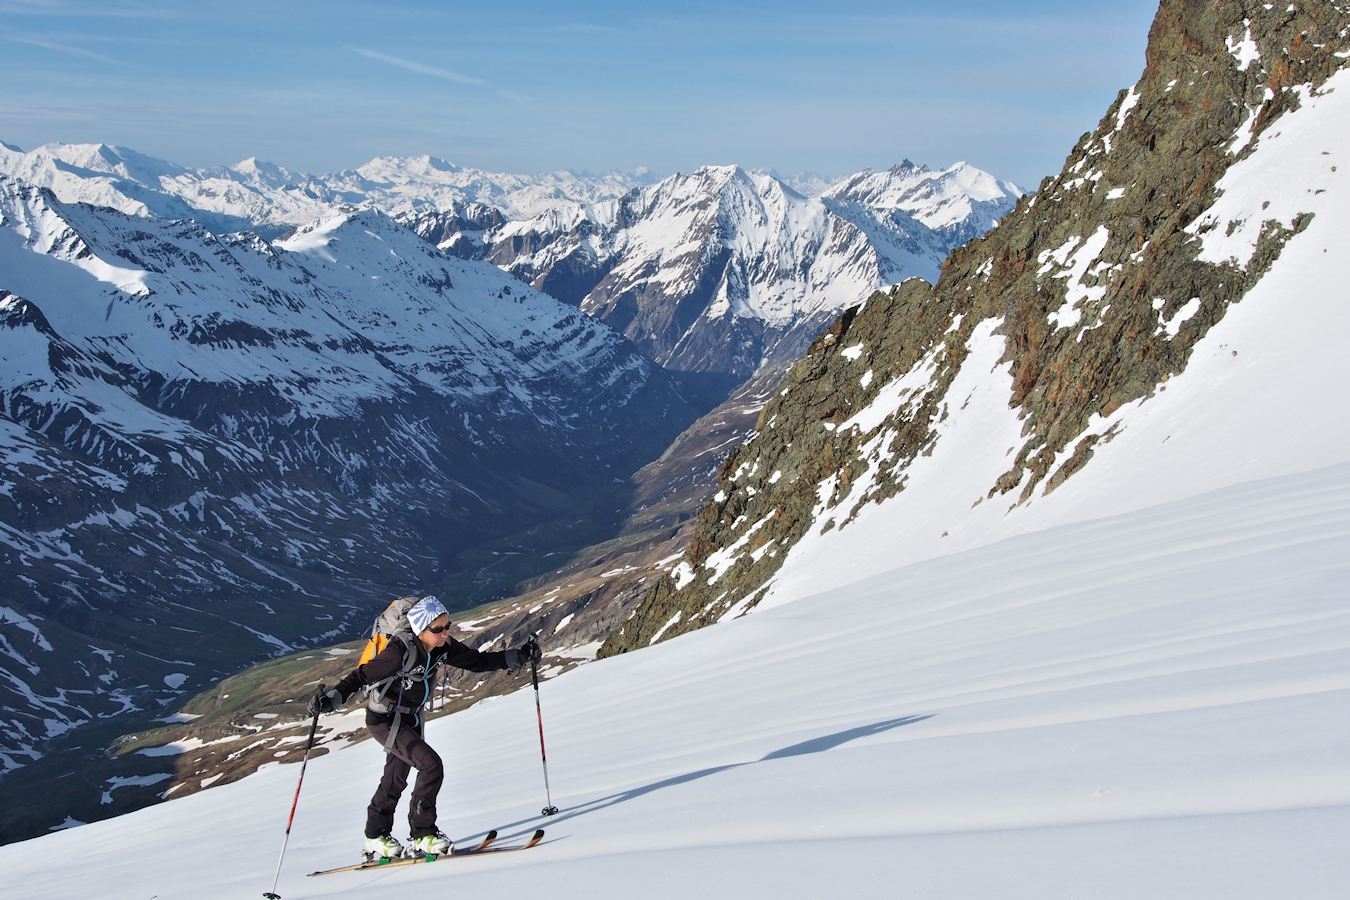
x,y
1150,705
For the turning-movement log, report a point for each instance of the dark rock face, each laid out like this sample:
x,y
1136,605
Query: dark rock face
x,y
1098,283
458,231
217,449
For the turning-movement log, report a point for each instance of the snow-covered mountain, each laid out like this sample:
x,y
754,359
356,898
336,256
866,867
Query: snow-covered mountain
x,y
250,195
726,270
425,183
720,271
1149,294
268,198
216,446
959,203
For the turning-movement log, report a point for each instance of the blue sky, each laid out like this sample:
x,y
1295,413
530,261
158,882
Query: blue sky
x,y
829,87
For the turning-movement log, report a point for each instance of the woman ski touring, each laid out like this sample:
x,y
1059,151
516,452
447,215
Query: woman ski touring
x,y
398,679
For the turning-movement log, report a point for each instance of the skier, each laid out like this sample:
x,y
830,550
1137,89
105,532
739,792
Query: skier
x,y
399,676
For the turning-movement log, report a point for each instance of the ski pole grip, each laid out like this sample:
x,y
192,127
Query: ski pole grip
x,y
534,663
314,723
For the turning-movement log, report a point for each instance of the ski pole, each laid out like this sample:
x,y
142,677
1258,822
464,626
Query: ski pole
x,y
549,810
295,801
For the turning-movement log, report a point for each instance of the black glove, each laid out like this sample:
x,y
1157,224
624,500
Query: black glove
x,y
325,701
527,652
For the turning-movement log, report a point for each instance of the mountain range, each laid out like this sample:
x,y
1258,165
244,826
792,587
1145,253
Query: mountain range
x,y
724,270
240,405
718,271
271,199
218,446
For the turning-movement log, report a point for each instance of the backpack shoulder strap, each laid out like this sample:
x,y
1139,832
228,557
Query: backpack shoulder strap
x,y
379,701
376,699
411,649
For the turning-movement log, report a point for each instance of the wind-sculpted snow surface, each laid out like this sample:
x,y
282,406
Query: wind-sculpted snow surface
x,y
215,446
1146,705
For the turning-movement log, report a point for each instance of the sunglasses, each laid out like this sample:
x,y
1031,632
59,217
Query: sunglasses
x,y
439,629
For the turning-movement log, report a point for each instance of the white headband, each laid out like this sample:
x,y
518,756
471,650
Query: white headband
x,y
424,612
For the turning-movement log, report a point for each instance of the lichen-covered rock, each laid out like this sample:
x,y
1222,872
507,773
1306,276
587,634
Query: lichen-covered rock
x,y
1100,285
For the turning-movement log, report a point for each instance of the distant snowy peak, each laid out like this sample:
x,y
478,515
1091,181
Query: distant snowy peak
x,y
405,168
399,182
736,201
723,269
101,159
257,171
808,184
254,193
86,173
250,194
940,199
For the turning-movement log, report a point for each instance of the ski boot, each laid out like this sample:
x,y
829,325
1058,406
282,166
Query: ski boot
x,y
382,847
434,844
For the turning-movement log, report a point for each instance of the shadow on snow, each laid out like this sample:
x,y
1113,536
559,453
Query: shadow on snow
x,y
814,745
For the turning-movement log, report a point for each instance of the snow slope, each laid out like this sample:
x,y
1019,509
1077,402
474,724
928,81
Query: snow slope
x,y
1254,400
1149,705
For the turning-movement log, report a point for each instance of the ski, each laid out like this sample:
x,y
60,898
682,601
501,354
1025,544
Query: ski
x,y
485,846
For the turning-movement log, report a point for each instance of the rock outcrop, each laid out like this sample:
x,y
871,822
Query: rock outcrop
x,y
1097,287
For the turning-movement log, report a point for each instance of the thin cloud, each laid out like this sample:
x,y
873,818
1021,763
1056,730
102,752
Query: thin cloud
x,y
421,69
578,28
522,100
105,10
66,49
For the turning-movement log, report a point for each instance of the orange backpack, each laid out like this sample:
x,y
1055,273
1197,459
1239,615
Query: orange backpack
x,y
392,621
392,625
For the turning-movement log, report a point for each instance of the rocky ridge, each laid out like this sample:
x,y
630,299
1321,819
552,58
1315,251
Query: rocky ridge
x,y
1094,291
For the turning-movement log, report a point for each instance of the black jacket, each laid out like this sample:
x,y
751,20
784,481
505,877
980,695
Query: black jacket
x,y
416,685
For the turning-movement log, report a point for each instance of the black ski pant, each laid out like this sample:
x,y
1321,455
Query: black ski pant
x,y
409,751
